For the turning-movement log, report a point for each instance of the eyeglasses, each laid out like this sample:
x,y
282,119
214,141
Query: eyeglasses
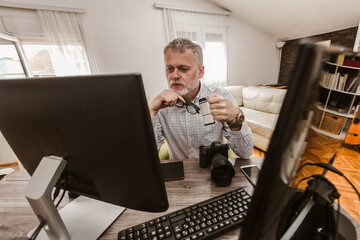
x,y
190,107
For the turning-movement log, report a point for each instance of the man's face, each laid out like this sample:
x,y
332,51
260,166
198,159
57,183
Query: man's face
x,y
182,72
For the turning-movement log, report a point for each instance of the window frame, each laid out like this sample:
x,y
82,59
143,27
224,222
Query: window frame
x,y
19,51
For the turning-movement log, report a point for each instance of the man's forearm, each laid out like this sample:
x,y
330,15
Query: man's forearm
x,y
241,142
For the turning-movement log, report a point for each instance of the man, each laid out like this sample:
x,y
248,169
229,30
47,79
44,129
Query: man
x,y
183,130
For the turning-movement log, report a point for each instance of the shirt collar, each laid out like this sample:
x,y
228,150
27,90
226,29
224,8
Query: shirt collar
x,y
203,92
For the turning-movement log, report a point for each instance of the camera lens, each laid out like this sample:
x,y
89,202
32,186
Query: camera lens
x,y
221,170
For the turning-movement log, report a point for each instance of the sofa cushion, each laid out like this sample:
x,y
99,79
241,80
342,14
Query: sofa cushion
x,y
262,123
236,92
263,98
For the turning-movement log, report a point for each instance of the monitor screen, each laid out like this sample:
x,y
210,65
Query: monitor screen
x,y
303,134
99,124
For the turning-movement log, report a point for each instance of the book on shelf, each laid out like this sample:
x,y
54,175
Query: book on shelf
x,y
354,88
340,59
358,89
344,81
340,82
352,63
330,80
324,78
353,82
333,82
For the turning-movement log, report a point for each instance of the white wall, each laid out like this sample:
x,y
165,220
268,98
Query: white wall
x,y
129,36
252,55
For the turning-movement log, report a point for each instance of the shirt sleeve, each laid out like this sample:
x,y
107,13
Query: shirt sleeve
x,y
241,142
158,133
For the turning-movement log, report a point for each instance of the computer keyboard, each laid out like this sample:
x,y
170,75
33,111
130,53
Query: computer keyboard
x,y
199,221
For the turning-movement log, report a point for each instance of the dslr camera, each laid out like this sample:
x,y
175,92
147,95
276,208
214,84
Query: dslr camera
x,y
216,156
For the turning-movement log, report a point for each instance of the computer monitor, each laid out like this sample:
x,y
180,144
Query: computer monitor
x,y
279,210
99,125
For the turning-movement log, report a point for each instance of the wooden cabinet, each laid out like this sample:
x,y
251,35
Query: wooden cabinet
x,y
339,94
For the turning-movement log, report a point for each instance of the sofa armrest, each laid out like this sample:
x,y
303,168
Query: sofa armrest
x,y
263,98
236,92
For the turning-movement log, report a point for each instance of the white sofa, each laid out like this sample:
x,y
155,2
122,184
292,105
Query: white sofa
x,y
261,106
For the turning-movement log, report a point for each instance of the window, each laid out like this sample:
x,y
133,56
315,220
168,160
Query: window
x,y
215,59
210,32
11,58
39,60
53,42
44,63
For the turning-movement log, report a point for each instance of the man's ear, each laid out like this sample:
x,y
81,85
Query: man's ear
x,y
201,71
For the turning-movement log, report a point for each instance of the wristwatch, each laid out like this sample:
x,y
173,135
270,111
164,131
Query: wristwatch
x,y
239,120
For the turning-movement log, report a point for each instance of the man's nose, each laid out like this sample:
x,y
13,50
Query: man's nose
x,y
176,74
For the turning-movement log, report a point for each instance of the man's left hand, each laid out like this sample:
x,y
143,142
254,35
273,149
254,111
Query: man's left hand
x,y
223,109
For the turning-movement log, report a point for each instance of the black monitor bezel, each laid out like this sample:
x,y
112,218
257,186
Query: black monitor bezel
x,y
272,196
41,117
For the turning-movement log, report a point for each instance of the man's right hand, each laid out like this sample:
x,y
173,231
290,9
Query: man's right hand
x,y
165,99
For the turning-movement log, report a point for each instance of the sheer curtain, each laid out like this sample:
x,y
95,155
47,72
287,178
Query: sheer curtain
x,y
209,31
69,46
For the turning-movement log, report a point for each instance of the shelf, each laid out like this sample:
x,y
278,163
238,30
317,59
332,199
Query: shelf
x,y
340,136
318,105
342,66
340,91
332,112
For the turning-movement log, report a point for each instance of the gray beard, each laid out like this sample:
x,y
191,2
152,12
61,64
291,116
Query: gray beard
x,y
186,90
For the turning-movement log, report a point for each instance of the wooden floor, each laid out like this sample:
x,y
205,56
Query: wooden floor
x,y
258,153
347,161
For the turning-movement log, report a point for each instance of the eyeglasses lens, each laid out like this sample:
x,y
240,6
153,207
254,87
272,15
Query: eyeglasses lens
x,y
180,104
191,109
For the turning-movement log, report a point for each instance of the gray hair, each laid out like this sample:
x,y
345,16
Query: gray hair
x,y
181,44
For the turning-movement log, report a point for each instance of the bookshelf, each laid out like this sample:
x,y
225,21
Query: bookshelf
x,y
339,95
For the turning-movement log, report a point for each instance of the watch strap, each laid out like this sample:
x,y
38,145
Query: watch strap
x,y
239,120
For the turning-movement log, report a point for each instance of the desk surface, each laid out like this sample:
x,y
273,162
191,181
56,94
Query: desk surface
x,y
17,218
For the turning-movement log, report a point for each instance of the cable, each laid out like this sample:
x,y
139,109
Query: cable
x,y
63,180
331,161
303,179
326,166
331,168
334,170
64,189
37,230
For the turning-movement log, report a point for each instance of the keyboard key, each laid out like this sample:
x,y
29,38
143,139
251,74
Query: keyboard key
x,y
177,218
205,219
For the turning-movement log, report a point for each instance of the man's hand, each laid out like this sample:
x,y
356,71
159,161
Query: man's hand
x,y
165,99
223,109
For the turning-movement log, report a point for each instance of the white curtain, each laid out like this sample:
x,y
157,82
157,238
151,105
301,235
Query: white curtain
x,y
70,49
209,31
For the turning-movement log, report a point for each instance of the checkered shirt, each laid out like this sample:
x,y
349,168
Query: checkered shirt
x,y
185,132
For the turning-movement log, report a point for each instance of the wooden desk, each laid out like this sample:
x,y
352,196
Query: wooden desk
x,y
196,187
17,217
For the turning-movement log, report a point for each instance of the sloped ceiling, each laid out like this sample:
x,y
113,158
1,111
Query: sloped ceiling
x,y
292,19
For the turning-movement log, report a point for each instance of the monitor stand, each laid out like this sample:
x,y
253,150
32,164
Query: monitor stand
x,y
83,218
317,217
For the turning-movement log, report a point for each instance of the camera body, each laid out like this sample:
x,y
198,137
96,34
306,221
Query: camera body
x,y
207,153
216,156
